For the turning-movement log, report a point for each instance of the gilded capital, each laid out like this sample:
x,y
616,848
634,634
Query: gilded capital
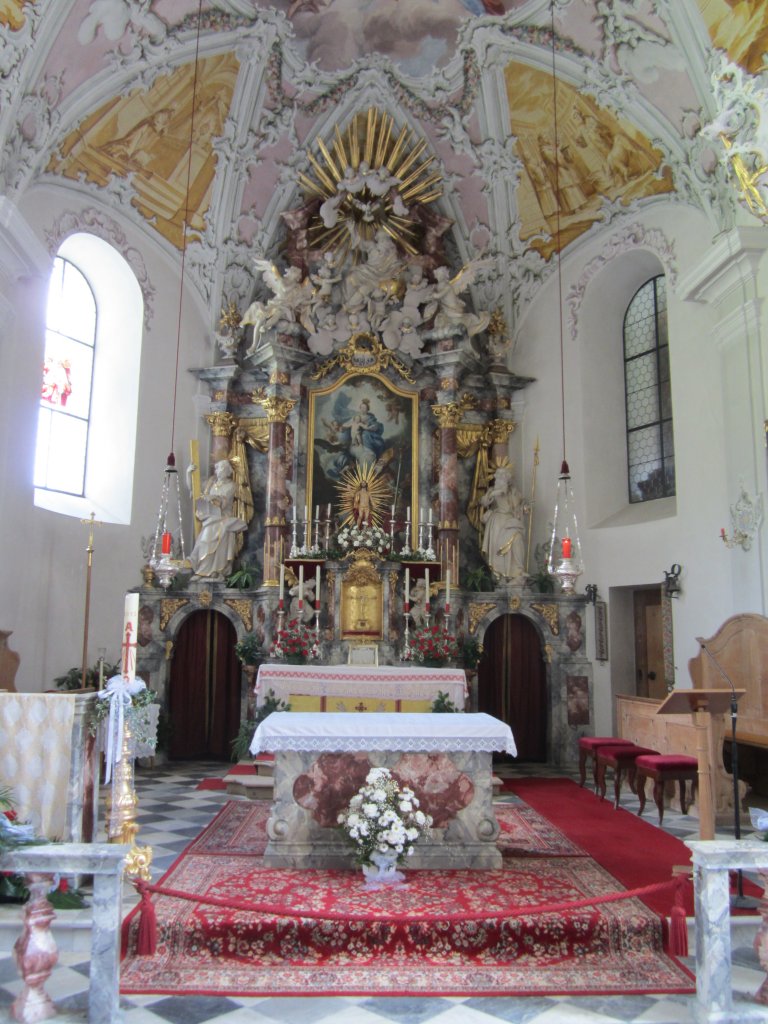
x,y
449,414
500,430
277,409
221,423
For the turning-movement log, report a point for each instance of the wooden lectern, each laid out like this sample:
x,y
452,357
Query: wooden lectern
x,y
702,704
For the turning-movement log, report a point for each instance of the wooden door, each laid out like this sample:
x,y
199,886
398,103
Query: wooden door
x,y
204,689
512,683
649,644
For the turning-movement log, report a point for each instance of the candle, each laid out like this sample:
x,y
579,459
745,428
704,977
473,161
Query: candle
x,y
301,586
282,584
567,547
407,588
722,532
167,543
317,512
130,625
408,514
317,586
447,589
426,586
329,510
430,517
392,513
421,514
294,513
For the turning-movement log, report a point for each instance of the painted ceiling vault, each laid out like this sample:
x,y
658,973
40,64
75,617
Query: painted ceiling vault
x,y
98,95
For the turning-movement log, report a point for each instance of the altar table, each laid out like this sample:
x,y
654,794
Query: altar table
x,y
322,759
360,687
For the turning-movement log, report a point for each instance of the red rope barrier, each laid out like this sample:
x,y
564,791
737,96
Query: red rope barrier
x,y
678,939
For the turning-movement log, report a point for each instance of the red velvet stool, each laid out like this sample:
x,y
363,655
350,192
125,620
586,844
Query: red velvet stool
x,y
587,747
620,759
664,768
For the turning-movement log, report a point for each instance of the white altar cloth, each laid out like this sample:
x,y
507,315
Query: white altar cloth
x,y
404,682
340,731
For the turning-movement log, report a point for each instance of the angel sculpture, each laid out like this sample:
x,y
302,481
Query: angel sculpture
x,y
290,301
450,310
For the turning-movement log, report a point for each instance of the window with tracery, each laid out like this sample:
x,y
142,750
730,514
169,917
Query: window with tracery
x,y
650,439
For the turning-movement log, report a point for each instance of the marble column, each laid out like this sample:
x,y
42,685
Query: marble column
x,y
448,416
276,540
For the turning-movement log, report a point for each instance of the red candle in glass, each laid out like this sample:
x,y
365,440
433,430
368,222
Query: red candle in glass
x,y
567,547
166,543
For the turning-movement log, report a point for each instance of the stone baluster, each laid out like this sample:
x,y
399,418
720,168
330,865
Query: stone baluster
x,y
35,953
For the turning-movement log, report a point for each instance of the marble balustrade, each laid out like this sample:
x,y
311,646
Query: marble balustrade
x,y
712,862
36,952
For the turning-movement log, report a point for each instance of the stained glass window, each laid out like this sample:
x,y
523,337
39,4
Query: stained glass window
x,y
65,397
650,441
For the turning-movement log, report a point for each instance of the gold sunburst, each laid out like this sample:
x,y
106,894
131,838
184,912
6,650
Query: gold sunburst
x,y
363,491
349,179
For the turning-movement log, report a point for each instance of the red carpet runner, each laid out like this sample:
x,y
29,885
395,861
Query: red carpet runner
x,y
447,932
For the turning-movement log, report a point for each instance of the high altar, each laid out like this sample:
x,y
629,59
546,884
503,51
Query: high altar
x,y
362,425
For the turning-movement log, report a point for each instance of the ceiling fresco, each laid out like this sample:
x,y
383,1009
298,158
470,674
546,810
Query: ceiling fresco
x,y
97,94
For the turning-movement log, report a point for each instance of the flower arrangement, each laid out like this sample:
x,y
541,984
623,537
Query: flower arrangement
x,y
759,820
383,820
294,643
432,644
364,537
137,716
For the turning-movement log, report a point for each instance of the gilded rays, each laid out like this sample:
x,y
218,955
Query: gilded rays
x,y
369,176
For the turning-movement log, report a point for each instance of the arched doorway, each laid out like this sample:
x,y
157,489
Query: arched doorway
x,y
204,688
512,683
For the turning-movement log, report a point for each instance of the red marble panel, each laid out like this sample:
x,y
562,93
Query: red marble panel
x,y
441,788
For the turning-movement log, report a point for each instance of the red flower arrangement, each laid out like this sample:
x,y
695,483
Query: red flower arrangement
x,y
432,644
294,643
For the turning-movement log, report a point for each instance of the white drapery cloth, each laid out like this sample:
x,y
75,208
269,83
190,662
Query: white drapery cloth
x,y
340,731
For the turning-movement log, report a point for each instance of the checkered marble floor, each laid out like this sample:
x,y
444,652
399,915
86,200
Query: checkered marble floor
x,y
172,812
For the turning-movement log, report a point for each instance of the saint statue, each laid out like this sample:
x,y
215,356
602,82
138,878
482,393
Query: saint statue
x,y
502,511
216,545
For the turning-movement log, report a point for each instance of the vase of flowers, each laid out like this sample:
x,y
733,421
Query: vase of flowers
x,y
431,646
364,538
294,644
383,820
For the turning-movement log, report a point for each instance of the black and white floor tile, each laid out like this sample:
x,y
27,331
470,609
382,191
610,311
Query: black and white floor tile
x,y
172,812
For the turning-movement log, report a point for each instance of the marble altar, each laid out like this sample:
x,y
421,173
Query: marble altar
x,y
322,759
360,688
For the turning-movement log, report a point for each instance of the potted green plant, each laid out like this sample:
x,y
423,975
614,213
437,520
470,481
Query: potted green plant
x,y
471,650
243,578
241,744
248,649
73,677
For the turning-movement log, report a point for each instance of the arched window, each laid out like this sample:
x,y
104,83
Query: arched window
x,y
65,398
650,441
86,436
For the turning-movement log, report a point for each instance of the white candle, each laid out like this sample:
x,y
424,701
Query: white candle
x,y
426,585
393,512
430,517
329,510
130,626
317,586
282,583
408,514
421,514
301,584
294,513
407,587
447,588
317,511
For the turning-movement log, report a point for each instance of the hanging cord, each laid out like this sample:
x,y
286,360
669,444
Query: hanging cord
x,y
186,219
557,213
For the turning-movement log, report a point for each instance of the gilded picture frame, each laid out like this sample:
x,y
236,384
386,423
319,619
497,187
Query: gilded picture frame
x,y
364,420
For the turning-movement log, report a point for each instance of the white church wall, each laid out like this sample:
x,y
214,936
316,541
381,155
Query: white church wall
x,y
44,599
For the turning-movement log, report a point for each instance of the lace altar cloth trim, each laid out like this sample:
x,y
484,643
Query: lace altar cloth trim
x,y
340,731
343,680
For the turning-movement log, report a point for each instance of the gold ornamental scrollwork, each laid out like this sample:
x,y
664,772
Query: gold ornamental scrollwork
x,y
277,409
548,653
548,612
138,863
477,610
168,608
205,598
364,352
279,377
499,430
514,604
450,414
242,607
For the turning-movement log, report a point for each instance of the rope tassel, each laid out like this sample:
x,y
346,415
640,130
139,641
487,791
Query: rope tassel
x,y
678,926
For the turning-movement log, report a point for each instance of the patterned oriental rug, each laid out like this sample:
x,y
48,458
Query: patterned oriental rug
x,y
445,932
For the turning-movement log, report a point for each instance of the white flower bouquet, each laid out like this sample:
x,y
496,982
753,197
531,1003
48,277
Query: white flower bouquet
x,y
383,820
364,538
